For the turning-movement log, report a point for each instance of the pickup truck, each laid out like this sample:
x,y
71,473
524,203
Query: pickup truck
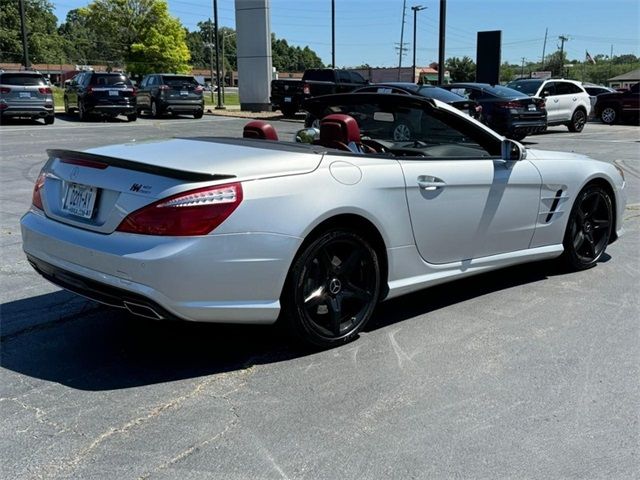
x,y
617,106
288,95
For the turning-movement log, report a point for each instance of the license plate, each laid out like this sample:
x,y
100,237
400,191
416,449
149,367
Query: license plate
x,y
184,93
287,99
24,94
113,93
80,200
532,108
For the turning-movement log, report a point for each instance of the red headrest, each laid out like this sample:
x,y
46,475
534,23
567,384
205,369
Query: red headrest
x,y
339,127
259,129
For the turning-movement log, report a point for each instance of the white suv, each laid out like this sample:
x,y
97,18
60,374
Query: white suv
x,y
567,101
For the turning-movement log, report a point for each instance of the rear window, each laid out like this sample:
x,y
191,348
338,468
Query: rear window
x,y
319,75
530,87
21,79
504,92
174,80
100,79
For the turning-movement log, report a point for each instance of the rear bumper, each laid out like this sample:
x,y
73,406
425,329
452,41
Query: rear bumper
x,y
233,278
27,111
181,105
111,109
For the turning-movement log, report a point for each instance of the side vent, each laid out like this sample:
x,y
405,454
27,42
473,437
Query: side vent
x,y
554,206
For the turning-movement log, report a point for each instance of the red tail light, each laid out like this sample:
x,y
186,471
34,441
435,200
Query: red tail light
x,y
5,89
198,89
44,90
542,104
306,89
196,212
512,104
85,163
36,199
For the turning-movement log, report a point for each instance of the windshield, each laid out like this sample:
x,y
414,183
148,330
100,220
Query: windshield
x,y
24,79
176,80
530,87
106,79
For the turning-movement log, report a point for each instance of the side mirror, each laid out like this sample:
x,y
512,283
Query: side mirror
x,y
545,93
307,135
513,151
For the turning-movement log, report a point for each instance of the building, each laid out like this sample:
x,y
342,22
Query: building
x,y
625,80
405,74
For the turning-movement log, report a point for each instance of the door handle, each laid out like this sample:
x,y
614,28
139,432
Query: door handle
x,y
429,183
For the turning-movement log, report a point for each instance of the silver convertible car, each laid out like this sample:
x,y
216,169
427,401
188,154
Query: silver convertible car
x,y
313,233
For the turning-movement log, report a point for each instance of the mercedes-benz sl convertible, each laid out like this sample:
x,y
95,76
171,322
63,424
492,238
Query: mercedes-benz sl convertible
x,y
313,233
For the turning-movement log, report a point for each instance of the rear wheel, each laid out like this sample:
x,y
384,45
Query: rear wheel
x,y
589,228
578,121
609,115
332,288
82,113
49,119
289,111
198,114
132,118
155,110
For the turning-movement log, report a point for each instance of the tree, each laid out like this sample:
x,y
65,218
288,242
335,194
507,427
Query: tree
x,y
80,42
140,34
555,63
43,40
461,69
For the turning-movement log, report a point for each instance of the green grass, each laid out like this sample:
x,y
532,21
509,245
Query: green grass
x,y
229,98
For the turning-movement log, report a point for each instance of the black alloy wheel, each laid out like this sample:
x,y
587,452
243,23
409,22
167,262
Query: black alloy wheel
x,y
578,121
132,117
589,228
609,115
198,113
155,110
333,288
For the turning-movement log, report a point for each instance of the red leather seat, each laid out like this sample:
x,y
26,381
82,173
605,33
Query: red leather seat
x,y
259,129
338,130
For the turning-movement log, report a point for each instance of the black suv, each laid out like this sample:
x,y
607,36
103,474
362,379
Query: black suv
x,y
106,94
25,94
162,93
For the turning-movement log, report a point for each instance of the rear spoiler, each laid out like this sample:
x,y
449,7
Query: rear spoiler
x,y
103,161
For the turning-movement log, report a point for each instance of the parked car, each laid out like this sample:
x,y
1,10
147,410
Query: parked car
x,y
100,93
567,101
163,93
26,94
507,111
288,95
252,230
616,106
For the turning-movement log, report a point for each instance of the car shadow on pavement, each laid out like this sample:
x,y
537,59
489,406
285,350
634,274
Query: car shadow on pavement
x,y
87,346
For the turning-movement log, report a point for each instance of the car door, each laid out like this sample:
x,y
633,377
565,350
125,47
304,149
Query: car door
x,y
142,99
465,202
556,111
72,90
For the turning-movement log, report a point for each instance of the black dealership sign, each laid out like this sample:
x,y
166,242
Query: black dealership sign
x,y
488,57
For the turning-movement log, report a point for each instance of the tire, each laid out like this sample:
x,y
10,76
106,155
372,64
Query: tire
x,y
609,115
588,229
155,111
332,289
289,111
49,119
578,120
402,132
132,118
516,136
82,114
198,114
311,122
67,110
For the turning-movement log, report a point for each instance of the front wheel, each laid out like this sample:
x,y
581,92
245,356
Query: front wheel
x,y
609,115
589,228
332,289
578,121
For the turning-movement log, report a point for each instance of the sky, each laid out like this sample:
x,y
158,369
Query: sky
x,y
368,31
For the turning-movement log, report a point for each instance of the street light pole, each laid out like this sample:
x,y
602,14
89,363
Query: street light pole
x,y
333,33
416,9
443,23
25,48
215,19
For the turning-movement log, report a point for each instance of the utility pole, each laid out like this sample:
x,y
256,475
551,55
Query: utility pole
x,y
544,46
401,49
443,21
522,69
416,9
562,39
610,61
333,33
25,48
210,45
215,30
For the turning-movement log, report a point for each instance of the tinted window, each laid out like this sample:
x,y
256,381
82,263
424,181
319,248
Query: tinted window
x,y
530,87
175,80
21,79
319,75
107,79
566,88
344,77
357,78
550,88
503,92
439,94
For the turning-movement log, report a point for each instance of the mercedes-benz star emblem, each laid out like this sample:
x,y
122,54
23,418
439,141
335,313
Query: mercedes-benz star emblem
x,y
335,286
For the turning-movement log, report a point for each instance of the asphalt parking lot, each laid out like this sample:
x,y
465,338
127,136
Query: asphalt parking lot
x,y
522,373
